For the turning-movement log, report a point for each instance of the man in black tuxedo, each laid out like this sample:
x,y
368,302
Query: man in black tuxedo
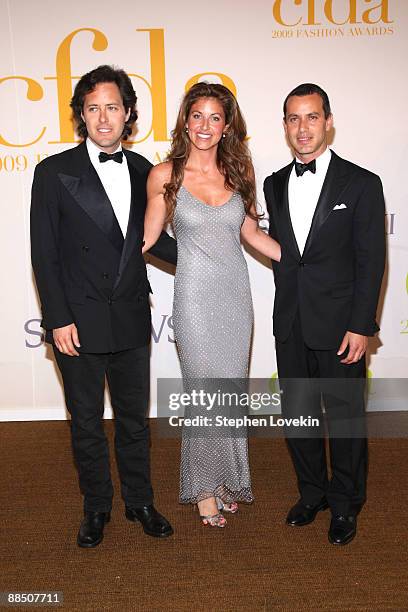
x,y
87,215
328,216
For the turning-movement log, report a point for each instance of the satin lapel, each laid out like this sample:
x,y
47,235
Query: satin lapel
x,y
281,183
87,190
337,178
136,217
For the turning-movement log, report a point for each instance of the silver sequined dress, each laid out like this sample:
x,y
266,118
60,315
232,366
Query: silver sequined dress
x,y
213,318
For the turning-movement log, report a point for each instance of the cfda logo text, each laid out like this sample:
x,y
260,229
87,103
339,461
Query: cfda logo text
x,y
63,80
303,17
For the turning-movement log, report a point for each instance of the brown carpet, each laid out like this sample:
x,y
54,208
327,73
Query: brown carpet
x,y
255,563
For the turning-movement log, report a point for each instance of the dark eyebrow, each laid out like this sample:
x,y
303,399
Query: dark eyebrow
x,y
107,104
292,115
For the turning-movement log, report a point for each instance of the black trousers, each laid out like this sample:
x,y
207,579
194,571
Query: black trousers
x,y
307,378
127,374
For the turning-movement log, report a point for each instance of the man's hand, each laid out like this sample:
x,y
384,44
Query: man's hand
x,y
66,339
357,345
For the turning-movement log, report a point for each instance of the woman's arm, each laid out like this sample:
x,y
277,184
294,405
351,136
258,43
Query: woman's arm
x,y
253,235
156,207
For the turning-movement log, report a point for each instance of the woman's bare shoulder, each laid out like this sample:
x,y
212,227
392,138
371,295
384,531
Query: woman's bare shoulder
x,y
161,173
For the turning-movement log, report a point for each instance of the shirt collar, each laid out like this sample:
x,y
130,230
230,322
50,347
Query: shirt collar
x,y
322,162
93,151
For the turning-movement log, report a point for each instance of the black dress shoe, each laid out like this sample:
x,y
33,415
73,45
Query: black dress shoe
x,y
90,533
153,523
302,514
342,529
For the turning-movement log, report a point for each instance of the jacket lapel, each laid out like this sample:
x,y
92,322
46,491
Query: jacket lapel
x,y
136,216
87,190
337,178
281,182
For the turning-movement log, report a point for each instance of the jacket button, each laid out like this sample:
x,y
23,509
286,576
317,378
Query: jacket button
x,y
105,275
110,301
85,248
302,264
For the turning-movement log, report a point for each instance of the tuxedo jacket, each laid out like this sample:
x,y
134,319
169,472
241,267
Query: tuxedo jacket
x,y
86,273
335,283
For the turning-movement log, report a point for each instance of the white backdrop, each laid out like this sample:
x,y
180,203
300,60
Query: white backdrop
x,y
355,49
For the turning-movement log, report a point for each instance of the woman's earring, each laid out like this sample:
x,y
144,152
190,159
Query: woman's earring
x,y
223,134
186,129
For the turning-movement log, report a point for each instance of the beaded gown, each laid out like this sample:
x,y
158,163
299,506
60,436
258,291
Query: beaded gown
x,y
213,319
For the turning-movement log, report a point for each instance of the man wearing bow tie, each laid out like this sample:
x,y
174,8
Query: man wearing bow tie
x,y
328,216
87,215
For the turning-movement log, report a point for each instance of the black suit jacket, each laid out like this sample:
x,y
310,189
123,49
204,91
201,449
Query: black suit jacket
x,y
336,282
85,272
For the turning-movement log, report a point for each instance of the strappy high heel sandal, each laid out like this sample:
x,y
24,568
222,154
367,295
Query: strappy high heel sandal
x,y
214,520
232,507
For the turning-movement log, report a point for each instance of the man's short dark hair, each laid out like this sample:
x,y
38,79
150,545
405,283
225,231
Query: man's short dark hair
x,y
306,89
88,82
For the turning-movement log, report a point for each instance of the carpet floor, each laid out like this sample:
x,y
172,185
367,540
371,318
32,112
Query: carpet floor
x,y
255,563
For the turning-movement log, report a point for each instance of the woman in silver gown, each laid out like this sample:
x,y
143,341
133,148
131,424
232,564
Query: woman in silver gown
x,y
207,189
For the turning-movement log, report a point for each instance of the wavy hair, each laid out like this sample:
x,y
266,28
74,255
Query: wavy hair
x,y
87,84
233,156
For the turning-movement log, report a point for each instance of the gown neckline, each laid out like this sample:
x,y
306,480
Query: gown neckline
x,y
208,205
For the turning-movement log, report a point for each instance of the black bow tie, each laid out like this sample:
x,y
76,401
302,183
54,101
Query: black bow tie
x,y
117,157
300,169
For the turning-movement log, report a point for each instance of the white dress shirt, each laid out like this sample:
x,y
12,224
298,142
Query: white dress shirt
x,y
303,193
116,182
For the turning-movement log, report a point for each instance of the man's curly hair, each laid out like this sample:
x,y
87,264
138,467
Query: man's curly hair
x,y
88,82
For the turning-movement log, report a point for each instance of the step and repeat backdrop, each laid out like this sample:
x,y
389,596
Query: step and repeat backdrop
x,y
355,49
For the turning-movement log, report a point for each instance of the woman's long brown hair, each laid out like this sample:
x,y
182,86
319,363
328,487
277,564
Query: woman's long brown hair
x,y
233,156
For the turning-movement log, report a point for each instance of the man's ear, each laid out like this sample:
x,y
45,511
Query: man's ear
x,y
329,122
128,114
285,127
